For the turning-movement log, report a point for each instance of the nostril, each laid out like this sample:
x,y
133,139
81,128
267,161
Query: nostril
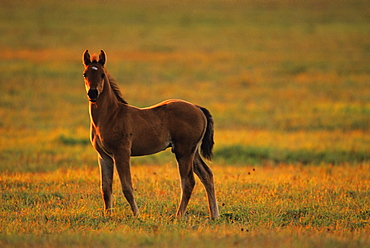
x,y
93,94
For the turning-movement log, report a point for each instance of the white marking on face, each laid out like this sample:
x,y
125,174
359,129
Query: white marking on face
x,y
94,68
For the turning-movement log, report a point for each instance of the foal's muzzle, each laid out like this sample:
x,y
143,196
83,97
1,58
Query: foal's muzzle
x,y
93,95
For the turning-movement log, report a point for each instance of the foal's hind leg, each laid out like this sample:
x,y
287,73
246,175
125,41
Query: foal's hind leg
x,y
205,174
187,181
106,172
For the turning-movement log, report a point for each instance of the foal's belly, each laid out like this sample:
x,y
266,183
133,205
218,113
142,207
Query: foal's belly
x,y
147,148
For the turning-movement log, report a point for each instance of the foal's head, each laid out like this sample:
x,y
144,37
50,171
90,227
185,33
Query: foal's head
x,y
94,74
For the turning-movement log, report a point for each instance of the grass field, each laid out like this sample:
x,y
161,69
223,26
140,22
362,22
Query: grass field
x,y
286,81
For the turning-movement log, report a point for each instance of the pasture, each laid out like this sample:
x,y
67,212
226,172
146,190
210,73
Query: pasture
x,y
286,83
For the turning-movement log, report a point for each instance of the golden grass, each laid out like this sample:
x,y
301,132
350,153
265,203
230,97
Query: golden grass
x,y
308,202
319,140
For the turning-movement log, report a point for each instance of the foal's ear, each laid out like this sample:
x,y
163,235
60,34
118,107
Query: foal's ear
x,y
102,57
86,58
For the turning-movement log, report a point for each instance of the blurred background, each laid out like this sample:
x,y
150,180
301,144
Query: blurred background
x,y
286,81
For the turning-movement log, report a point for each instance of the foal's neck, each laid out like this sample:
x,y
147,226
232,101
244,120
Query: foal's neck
x,y
105,105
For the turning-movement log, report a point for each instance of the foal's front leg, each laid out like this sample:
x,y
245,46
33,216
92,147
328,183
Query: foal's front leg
x,y
106,172
124,171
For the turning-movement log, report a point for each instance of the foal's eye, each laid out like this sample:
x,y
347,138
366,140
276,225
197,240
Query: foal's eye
x,y
84,75
103,75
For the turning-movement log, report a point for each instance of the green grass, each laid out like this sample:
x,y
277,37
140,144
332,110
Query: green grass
x,y
238,154
286,83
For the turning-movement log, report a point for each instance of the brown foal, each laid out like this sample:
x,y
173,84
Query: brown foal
x,y
119,131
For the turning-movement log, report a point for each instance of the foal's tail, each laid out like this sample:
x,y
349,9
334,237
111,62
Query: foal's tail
x,y
207,142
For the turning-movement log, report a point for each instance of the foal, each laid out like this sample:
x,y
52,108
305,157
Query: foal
x,y
119,131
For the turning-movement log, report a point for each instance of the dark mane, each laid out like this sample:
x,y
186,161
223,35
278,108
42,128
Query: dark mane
x,y
116,91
